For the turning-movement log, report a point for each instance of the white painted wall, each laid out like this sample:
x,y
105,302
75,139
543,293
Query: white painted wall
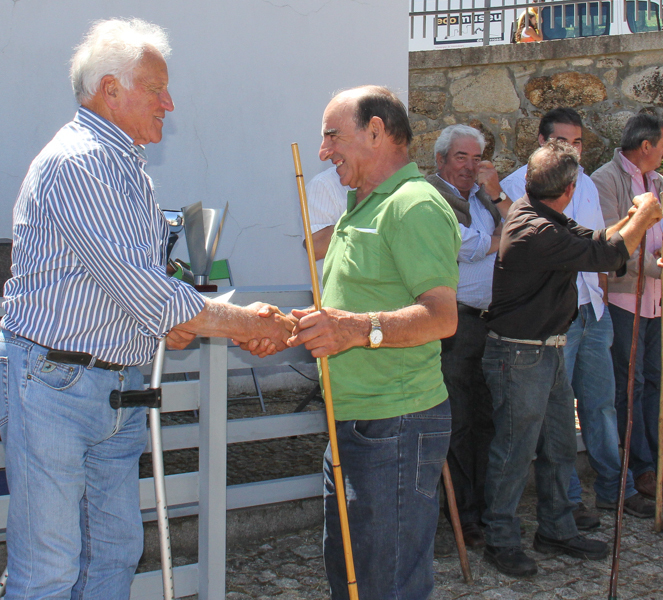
x,y
248,78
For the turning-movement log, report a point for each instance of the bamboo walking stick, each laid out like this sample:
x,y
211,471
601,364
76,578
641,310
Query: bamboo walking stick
x,y
614,573
455,523
324,367
658,520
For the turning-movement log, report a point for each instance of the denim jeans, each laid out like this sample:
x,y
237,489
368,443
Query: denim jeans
x,y
74,529
472,415
646,394
589,366
391,472
533,414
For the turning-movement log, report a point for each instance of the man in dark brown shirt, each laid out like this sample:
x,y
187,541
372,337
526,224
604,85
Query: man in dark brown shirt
x,y
534,301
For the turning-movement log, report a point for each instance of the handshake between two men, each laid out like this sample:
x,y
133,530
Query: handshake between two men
x,y
263,329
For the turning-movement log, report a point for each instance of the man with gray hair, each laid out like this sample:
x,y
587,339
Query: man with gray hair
x,y
534,302
632,171
88,302
472,189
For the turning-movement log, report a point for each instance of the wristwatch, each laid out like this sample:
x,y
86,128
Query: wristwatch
x,y
375,336
501,198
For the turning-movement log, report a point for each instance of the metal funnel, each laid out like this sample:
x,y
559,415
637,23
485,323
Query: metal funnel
x,y
202,227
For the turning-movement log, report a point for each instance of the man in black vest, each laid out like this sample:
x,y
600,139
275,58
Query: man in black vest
x,y
472,189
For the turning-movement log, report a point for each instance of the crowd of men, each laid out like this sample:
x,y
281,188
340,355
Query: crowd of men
x,y
512,276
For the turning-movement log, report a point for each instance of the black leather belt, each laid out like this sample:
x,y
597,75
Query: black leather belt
x,y
81,358
470,310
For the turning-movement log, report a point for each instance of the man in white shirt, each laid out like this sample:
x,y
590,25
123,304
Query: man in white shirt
x,y
472,189
327,201
587,352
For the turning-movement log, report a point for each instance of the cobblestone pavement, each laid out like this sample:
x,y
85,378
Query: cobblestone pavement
x,y
290,567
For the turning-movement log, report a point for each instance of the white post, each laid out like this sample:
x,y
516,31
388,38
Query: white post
x,y
212,469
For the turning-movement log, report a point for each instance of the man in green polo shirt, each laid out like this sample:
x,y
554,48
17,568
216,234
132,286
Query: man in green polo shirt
x,y
390,279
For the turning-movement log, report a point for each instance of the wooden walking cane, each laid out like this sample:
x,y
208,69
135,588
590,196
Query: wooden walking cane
x,y
326,385
455,523
614,573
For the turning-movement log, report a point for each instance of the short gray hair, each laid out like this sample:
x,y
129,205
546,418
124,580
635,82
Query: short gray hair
x,y
113,47
550,170
452,133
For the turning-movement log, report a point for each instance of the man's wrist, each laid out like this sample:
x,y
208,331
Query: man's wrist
x,y
501,197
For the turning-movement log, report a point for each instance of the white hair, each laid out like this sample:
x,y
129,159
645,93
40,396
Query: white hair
x,y
450,134
113,47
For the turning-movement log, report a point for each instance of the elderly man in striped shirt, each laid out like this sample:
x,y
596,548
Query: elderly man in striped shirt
x,y
90,287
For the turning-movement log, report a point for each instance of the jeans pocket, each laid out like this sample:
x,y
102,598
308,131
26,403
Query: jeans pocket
x,y
57,376
527,358
431,454
377,430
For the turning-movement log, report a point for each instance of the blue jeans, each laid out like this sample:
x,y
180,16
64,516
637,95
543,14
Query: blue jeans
x,y
646,394
472,415
74,529
589,366
533,414
391,472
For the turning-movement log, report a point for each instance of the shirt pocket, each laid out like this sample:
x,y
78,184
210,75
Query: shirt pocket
x,y
361,261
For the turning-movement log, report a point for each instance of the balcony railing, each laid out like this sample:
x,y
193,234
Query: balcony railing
x,y
446,22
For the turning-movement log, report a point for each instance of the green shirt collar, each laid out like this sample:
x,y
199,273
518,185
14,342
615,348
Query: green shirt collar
x,y
387,187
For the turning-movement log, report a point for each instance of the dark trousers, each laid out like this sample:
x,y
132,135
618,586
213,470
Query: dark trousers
x,y
471,412
646,394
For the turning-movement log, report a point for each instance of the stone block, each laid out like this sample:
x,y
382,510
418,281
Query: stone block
x,y
489,137
527,131
642,59
593,151
609,63
421,151
645,86
490,91
429,103
569,88
611,125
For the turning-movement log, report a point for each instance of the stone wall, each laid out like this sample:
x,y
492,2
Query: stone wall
x,y
504,91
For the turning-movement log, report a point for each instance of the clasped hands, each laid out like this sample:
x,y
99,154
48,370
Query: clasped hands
x,y
325,332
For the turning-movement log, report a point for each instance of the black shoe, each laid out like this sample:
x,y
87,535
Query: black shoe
x,y
579,546
637,506
473,535
510,560
585,519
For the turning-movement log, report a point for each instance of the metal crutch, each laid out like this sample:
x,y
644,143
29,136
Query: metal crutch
x,y
151,398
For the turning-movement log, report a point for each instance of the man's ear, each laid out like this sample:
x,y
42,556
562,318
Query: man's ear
x,y
439,161
109,89
376,129
542,140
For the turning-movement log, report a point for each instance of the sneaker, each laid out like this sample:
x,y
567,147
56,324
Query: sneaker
x,y
578,546
585,519
510,561
637,506
646,485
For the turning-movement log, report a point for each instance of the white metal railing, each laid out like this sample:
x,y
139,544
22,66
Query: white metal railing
x,y
463,21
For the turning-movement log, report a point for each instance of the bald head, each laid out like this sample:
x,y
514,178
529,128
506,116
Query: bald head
x,y
376,101
366,134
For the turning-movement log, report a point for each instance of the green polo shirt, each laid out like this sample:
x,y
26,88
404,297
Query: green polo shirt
x,y
400,242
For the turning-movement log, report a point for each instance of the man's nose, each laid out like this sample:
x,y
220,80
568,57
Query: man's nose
x,y
167,101
325,150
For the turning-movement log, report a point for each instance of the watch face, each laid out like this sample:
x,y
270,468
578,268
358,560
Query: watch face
x,y
376,337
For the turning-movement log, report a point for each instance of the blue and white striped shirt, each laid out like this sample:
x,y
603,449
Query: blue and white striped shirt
x,y
90,250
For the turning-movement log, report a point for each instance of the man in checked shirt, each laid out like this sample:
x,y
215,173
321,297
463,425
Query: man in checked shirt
x,y
86,214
